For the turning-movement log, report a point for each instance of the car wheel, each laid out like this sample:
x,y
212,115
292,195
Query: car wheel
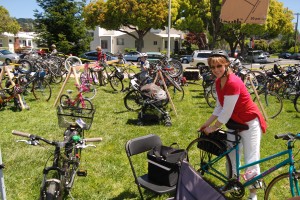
x,y
7,61
139,60
185,61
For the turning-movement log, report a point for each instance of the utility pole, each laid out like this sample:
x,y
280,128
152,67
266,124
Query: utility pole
x,y
169,29
296,30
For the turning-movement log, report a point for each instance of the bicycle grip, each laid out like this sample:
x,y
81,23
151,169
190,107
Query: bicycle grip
x,y
92,139
22,134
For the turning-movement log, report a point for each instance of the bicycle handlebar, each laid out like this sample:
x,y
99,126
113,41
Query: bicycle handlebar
x,y
92,139
22,134
287,136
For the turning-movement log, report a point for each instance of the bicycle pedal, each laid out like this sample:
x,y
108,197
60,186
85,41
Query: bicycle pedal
x,y
82,172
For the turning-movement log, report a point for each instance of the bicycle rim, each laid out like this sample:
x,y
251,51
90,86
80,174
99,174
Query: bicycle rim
x,y
271,102
216,173
86,105
116,83
91,93
210,98
42,90
279,188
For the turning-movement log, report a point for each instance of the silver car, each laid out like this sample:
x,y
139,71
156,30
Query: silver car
x,y
8,57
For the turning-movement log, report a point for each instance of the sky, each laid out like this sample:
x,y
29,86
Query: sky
x,y
24,8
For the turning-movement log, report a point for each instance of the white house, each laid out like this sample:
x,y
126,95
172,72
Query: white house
x,y
22,39
111,41
155,40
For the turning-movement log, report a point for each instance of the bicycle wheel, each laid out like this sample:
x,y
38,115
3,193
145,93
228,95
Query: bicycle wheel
x,y
210,98
64,101
87,105
72,61
116,83
176,67
91,92
52,191
41,89
217,172
175,94
297,103
271,102
279,187
133,100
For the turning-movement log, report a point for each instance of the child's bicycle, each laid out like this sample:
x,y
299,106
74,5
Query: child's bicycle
x,y
79,102
89,77
58,178
209,156
9,94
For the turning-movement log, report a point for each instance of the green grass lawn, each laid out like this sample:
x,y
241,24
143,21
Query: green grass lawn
x,y
109,173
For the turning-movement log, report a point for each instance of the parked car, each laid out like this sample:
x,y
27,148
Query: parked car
x,y
284,55
266,54
154,56
256,56
8,57
92,55
132,56
199,60
295,56
186,59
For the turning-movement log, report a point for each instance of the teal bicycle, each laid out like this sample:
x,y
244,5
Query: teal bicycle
x,y
209,156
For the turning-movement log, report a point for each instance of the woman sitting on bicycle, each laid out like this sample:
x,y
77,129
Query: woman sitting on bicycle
x,y
234,102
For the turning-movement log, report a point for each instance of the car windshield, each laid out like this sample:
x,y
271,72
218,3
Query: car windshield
x,y
203,55
5,52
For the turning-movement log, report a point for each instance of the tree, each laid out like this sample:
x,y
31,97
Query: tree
x,y
8,24
133,17
61,24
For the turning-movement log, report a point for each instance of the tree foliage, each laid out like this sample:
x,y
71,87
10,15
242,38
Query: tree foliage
x,y
61,24
133,17
27,24
7,23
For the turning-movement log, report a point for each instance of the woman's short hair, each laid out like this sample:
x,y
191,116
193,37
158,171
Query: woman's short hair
x,y
98,48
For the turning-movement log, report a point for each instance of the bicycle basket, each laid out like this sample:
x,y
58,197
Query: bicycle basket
x,y
217,137
68,116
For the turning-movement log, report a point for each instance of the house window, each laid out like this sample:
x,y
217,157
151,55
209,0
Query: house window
x,y
120,41
29,42
10,41
1,43
155,43
166,44
24,43
104,44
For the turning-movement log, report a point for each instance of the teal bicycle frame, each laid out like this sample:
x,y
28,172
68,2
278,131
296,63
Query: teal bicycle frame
x,y
289,161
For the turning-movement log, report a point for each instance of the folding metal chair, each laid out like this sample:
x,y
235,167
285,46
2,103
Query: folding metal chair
x,y
142,145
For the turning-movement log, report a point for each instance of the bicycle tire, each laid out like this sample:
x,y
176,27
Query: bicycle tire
x,y
297,103
279,187
116,83
133,100
52,191
72,61
177,68
25,66
87,105
217,173
210,98
41,89
271,102
175,94
64,101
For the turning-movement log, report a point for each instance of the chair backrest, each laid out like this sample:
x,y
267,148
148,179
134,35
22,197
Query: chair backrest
x,y
142,144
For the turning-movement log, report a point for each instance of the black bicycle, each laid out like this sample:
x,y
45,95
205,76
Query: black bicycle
x,y
58,178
